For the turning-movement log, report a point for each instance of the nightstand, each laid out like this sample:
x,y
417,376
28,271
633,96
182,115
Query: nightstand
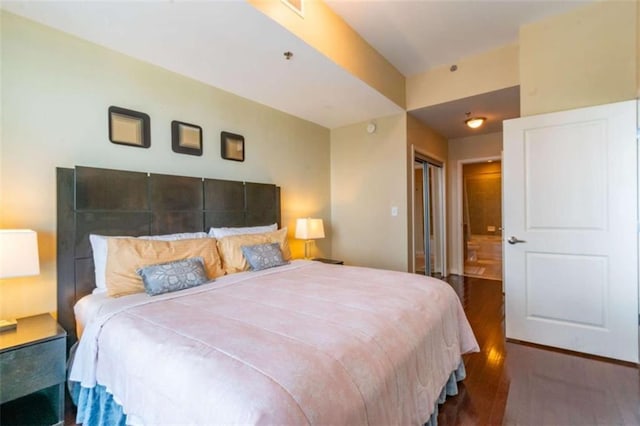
x,y
33,372
330,261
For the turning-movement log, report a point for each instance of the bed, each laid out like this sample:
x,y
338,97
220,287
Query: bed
x,y
301,343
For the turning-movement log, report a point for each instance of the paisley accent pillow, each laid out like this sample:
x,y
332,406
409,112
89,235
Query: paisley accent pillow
x,y
263,256
173,276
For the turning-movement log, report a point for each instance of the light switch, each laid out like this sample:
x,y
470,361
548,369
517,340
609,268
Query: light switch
x,y
394,211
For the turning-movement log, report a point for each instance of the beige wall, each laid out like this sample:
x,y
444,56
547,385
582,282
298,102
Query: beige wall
x,y
368,178
585,57
425,139
637,49
1,127
55,93
460,151
325,31
488,71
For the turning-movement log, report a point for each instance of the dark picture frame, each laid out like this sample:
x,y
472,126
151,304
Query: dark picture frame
x,y
186,138
128,127
232,146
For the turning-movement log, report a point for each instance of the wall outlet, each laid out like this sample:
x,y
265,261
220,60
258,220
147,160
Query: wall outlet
x,y
394,211
491,229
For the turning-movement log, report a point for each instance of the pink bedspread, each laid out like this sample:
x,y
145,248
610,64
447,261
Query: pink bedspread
x,y
306,343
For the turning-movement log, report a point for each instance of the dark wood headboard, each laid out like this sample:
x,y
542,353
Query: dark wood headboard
x,y
115,202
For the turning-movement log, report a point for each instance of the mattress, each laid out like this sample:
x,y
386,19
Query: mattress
x,y
306,343
87,308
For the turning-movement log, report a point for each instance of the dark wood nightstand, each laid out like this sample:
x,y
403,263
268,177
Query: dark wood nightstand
x,y
330,261
33,372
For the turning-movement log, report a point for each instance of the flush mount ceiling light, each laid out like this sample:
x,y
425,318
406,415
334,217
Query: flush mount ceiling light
x,y
474,122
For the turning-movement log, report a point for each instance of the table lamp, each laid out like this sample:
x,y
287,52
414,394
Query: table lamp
x,y
309,229
18,258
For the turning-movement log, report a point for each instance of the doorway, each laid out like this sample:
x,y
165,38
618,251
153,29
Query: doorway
x,y
429,225
482,219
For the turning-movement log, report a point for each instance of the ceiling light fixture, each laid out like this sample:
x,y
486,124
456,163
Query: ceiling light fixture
x,y
474,122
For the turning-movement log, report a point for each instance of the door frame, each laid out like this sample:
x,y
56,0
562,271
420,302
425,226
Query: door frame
x,y
411,209
459,233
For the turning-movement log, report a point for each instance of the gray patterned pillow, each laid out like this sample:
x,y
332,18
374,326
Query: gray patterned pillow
x,y
172,276
263,256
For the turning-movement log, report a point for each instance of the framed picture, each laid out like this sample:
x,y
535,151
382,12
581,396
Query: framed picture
x,y
232,146
128,127
186,138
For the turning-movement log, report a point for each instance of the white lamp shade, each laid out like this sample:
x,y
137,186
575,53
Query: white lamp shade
x,y
309,229
18,253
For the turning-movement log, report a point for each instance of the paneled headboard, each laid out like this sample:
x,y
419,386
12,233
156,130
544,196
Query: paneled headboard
x,y
116,202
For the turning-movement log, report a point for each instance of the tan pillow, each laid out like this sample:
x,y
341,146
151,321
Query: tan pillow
x,y
280,237
230,248
125,255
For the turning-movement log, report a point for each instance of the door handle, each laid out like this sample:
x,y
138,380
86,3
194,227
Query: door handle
x,y
514,240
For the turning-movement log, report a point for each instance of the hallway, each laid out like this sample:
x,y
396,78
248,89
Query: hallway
x,y
517,384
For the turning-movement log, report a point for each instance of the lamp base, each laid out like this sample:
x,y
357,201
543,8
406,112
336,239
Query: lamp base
x,y
6,325
307,249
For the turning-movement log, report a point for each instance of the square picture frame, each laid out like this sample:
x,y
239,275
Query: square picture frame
x,y
129,127
232,146
186,138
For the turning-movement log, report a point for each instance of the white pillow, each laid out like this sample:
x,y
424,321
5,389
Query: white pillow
x,y
225,232
175,237
99,248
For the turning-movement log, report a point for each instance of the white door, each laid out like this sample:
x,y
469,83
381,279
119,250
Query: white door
x,y
570,195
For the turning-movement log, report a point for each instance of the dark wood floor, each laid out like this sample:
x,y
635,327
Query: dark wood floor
x,y
515,384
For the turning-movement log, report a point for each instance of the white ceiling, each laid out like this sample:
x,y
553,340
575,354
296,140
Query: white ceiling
x,y
229,45
421,34
233,46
